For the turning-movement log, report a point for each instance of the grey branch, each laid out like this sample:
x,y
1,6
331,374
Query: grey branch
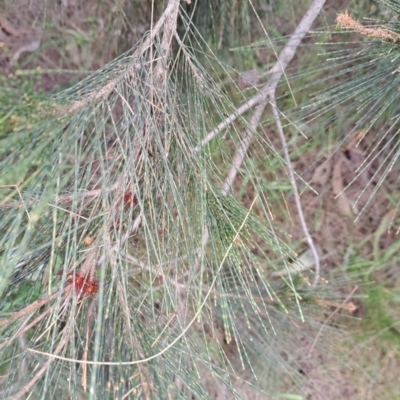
x,y
267,95
275,72
169,27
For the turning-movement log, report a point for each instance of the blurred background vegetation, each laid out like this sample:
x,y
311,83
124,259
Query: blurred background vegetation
x,y
339,105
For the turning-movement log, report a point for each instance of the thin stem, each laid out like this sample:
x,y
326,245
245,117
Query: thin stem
x,y
169,28
292,178
242,150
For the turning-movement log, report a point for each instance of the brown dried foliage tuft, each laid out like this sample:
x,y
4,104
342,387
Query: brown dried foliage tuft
x,y
345,21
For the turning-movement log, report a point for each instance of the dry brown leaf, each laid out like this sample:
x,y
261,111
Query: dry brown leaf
x,y
337,188
350,307
8,28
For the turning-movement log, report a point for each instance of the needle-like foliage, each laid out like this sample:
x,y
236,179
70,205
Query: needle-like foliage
x,y
113,223
137,272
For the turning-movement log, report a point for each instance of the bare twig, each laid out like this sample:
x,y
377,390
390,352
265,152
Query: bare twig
x,y
169,28
292,178
269,90
242,150
285,57
275,72
231,118
262,99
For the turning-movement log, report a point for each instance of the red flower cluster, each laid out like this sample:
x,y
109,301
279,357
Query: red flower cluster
x,y
83,286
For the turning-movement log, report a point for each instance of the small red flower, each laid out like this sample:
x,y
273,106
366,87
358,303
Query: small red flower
x,y
83,286
90,288
130,199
